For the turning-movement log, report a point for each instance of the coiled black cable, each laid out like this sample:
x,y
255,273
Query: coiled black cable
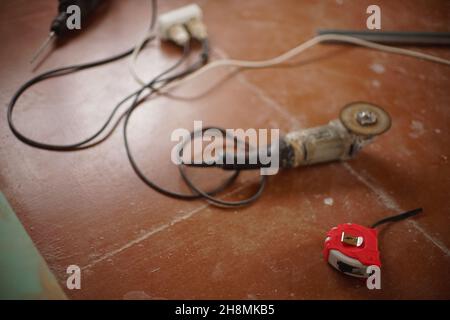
x,y
207,195
88,142
197,193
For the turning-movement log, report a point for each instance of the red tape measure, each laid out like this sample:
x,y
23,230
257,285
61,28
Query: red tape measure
x,y
352,248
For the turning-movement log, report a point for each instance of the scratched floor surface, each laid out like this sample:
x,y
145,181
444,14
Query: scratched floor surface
x,y
88,208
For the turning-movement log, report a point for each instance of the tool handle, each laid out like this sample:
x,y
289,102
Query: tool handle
x,y
59,24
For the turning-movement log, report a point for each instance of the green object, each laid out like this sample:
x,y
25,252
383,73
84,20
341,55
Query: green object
x,y
23,272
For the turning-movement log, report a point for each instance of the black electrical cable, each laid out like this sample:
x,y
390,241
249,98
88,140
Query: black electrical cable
x,y
204,56
192,68
88,142
197,192
203,59
65,71
208,195
397,217
136,94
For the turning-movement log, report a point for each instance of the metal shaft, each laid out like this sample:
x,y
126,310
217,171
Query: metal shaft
x,y
44,45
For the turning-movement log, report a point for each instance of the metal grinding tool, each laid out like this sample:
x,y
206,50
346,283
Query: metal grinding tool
x,y
340,139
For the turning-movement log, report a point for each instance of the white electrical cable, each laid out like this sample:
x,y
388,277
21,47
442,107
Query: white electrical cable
x,y
299,49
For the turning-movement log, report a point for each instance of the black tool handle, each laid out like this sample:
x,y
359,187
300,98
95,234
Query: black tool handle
x,y
59,24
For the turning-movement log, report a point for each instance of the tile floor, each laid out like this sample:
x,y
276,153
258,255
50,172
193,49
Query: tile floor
x,y
88,208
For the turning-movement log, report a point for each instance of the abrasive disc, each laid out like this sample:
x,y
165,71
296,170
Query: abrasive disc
x,y
365,119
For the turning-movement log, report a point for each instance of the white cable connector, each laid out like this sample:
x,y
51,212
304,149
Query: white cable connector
x,y
178,26
178,34
197,29
171,24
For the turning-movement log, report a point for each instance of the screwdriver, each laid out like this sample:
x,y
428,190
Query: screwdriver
x,y
58,27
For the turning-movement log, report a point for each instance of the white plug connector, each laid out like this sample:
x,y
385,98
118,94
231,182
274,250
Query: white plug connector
x,y
178,34
197,29
172,25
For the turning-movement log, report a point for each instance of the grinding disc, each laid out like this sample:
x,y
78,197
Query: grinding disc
x,y
363,118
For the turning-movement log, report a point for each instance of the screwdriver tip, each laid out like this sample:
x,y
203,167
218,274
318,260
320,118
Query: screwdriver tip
x,y
42,47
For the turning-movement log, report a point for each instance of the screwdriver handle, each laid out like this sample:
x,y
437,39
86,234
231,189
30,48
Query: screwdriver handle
x,y
59,24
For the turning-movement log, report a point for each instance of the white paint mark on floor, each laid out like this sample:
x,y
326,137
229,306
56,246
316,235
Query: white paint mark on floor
x,y
136,295
295,123
377,68
376,83
144,237
384,198
156,230
328,201
268,101
435,241
252,296
417,129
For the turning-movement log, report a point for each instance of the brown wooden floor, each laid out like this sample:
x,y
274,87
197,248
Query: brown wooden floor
x,y
88,208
